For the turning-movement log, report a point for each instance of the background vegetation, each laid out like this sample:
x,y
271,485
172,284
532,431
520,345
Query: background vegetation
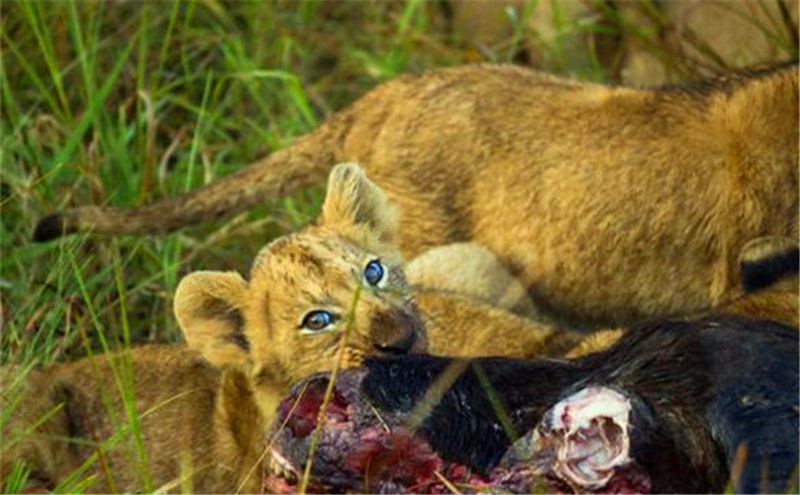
x,y
125,102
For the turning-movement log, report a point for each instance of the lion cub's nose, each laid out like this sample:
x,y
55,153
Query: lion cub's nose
x,y
393,332
398,347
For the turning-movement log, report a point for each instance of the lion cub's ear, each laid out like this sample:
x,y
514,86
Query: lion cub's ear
x,y
354,201
207,307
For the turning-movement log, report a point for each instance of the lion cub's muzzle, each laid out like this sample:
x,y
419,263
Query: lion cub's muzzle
x,y
396,332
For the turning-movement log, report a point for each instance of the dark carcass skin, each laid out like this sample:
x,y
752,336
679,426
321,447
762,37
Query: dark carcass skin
x,y
675,406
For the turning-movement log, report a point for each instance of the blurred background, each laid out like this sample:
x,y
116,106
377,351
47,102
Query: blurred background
x,y
125,102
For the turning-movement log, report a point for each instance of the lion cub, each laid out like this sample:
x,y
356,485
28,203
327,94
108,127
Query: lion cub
x,y
338,284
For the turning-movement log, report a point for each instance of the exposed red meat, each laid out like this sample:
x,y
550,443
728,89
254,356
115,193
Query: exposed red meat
x,y
581,445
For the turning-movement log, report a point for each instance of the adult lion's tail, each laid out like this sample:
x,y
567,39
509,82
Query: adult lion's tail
x,y
302,163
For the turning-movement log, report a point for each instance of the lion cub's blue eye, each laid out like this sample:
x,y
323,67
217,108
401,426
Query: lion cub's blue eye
x,y
317,320
373,272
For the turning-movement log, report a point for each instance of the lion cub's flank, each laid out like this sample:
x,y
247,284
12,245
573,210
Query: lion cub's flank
x,y
770,281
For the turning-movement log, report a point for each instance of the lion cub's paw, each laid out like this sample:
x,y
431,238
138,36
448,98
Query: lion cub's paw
x,y
471,270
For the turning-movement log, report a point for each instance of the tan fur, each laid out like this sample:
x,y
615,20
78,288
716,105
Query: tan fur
x,y
468,269
464,327
201,430
595,342
779,301
610,204
67,405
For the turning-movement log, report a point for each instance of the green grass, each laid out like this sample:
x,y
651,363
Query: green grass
x,y
123,103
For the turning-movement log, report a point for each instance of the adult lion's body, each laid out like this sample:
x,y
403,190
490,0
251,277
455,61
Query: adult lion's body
x,y
611,204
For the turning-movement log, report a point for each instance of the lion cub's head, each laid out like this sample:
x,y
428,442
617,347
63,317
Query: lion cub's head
x,y
339,282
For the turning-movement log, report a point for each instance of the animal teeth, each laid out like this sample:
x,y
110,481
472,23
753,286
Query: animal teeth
x,y
282,467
